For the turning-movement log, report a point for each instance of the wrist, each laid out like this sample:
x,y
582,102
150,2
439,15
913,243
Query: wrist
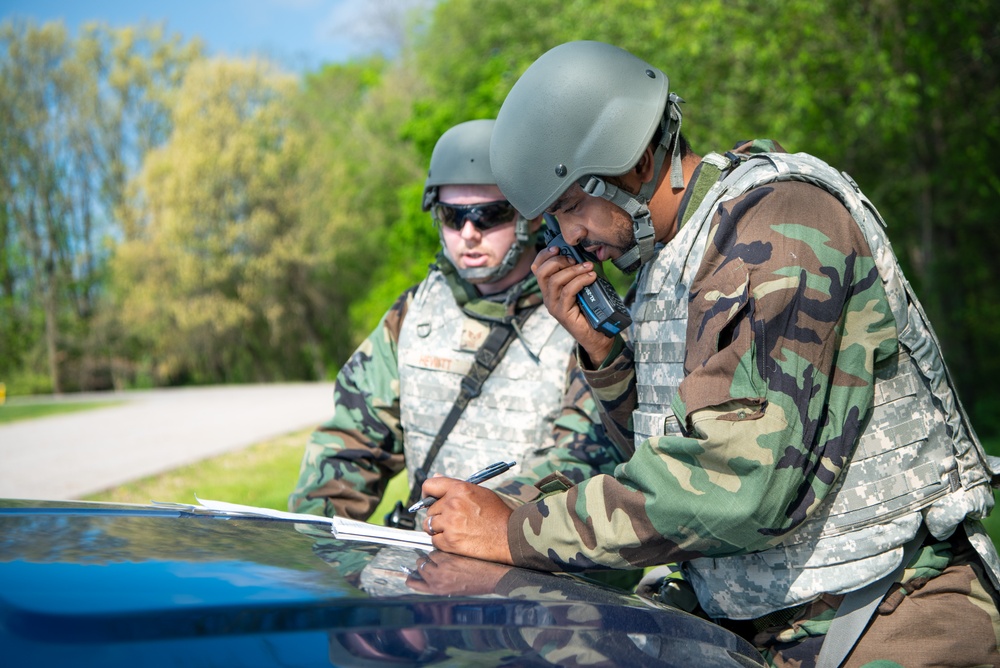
x,y
593,354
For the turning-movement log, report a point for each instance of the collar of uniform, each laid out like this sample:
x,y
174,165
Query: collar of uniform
x,y
702,180
500,307
694,183
758,146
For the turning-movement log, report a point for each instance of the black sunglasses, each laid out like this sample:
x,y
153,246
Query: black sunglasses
x,y
484,216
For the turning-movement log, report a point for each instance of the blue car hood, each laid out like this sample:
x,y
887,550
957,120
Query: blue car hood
x,y
108,585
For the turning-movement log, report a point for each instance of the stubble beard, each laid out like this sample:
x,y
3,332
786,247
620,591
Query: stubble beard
x,y
623,243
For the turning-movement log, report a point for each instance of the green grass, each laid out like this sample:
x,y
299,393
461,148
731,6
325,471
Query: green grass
x,y
14,412
261,475
264,474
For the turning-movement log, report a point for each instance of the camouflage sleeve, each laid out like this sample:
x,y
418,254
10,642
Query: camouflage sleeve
x,y
350,458
787,318
577,447
613,385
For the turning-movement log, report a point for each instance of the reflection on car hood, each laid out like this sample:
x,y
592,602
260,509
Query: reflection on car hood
x,y
106,585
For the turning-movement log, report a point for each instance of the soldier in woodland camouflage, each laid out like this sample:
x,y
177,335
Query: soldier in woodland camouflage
x,y
393,394
796,439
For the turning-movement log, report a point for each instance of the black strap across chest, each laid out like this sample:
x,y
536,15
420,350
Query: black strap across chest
x,y
486,360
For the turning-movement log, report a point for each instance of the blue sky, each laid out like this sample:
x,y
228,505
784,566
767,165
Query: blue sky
x,y
299,34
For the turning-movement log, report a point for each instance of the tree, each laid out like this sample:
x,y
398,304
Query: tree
x,y
210,274
901,95
75,116
354,187
296,212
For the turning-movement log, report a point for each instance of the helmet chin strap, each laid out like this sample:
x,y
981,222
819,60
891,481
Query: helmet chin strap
x,y
477,275
637,206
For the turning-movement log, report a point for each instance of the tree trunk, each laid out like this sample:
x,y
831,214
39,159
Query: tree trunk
x,y
52,333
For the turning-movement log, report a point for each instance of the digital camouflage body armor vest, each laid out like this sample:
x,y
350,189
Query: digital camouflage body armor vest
x,y
918,459
520,400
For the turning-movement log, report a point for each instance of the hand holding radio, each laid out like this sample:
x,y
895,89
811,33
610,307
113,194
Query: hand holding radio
x,y
599,302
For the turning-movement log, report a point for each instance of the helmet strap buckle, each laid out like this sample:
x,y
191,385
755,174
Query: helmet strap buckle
x,y
593,185
430,197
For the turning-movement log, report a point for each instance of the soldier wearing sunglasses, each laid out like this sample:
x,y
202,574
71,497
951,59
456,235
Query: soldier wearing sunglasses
x,y
398,401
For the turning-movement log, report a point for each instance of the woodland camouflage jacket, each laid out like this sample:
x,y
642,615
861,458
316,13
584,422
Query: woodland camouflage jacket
x,y
748,473
350,459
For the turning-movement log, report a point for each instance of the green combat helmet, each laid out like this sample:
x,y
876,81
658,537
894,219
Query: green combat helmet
x,y
582,111
462,157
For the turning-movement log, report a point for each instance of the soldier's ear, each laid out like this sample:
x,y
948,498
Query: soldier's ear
x,y
644,168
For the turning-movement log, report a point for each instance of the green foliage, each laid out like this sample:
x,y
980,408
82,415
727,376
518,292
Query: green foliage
x,y
209,274
352,116
165,219
408,247
76,114
271,224
24,381
897,94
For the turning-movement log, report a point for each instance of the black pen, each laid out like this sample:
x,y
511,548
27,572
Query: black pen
x,y
491,471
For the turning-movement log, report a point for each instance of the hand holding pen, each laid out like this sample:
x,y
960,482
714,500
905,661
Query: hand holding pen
x,y
491,471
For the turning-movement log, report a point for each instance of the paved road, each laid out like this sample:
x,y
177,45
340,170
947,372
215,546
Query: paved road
x,y
75,454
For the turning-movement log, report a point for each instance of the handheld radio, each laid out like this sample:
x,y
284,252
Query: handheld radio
x,y
600,303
